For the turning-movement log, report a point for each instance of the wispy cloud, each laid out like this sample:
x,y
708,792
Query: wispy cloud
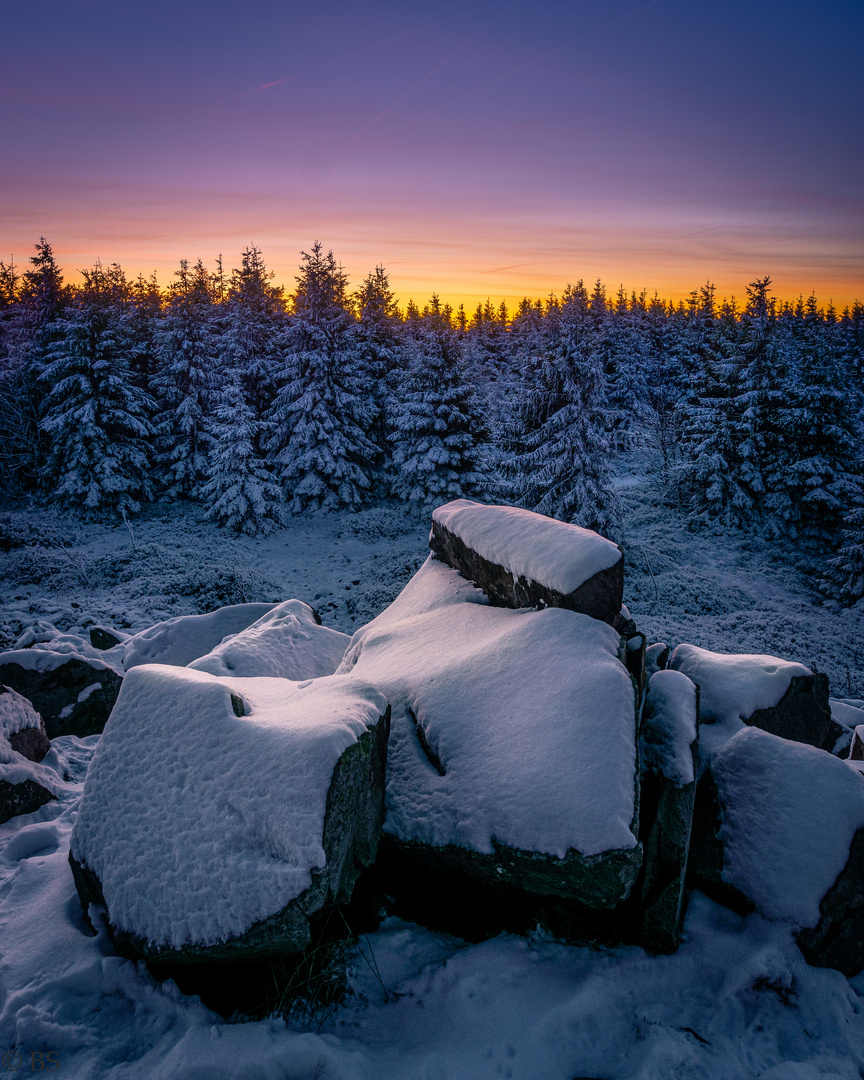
x,y
269,85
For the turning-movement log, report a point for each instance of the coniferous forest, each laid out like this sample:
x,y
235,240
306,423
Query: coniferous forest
x,y
257,404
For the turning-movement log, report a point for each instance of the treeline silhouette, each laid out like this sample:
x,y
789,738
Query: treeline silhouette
x,y
224,389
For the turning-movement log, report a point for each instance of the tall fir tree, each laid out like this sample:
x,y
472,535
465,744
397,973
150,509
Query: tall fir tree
x,y
324,411
559,459
239,492
185,345
96,414
436,422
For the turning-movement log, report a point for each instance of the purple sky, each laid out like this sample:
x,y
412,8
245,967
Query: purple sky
x,y
476,148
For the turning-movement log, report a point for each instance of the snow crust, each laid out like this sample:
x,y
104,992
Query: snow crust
x,y
181,640
530,713
790,813
199,823
529,545
669,731
285,643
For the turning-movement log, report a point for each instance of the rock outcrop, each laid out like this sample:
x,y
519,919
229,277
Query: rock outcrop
x,y
209,836
74,694
521,559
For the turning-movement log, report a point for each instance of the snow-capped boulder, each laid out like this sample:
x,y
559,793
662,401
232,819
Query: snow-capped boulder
x,y
209,835
656,657
512,761
24,784
73,693
856,750
669,744
288,642
782,831
521,559
779,696
181,640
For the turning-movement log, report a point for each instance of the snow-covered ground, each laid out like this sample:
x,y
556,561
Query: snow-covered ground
x,y
736,1001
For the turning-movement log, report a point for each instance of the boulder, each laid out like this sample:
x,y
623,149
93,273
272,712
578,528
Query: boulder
x,y
856,749
212,836
512,762
669,744
74,694
521,559
781,697
779,828
106,637
288,642
24,785
181,640
656,658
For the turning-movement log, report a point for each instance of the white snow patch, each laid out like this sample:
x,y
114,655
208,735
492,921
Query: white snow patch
x,y
45,660
199,823
531,714
185,638
670,729
285,643
790,812
554,553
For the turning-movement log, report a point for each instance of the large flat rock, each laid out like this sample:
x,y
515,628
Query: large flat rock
x,y
512,758
220,815
522,559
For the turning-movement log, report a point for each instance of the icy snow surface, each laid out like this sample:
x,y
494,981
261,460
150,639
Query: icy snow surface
x,y
670,731
554,553
790,812
530,713
198,822
286,643
181,640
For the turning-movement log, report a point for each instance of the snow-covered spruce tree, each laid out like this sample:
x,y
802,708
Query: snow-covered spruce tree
x,y
844,577
32,307
250,325
709,476
240,492
96,414
436,423
817,477
622,342
764,404
184,342
376,337
561,461
323,413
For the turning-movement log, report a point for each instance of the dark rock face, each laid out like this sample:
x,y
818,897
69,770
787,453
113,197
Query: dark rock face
x,y
600,596
803,714
705,861
103,637
56,691
31,743
837,941
666,820
22,798
856,748
352,828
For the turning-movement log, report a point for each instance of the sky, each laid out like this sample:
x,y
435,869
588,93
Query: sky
x,y
475,149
